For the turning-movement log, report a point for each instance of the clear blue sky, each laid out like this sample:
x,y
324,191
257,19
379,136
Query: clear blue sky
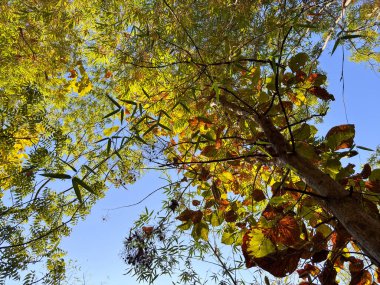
x,y
96,243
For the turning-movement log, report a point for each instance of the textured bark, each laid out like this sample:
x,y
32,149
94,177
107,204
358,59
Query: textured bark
x,y
363,227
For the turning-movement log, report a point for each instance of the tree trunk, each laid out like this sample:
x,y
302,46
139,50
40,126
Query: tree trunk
x,y
362,226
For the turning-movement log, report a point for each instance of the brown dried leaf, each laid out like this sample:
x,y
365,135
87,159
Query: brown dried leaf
x,y
366,172
321,93
258,195
230,216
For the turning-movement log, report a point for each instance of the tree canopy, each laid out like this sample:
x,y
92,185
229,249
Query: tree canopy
x,y
227,93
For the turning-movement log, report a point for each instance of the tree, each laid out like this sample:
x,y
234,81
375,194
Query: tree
x,y
226,92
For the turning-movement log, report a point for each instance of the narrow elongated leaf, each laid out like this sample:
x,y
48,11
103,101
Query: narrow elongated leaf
x,y
56,175
128,102
80,182
146,93
114,101
72,167
364,148
121,116
77,190
338,40
112,113
108,146
89,169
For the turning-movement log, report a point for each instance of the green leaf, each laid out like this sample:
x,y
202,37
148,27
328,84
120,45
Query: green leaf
x,y
89,169
364,148
306,25
56,175
340,137
216,219
72,167
346,37
227,238
332,167
118,154
149,130
375,175
185,226
141,139
164,127
77,190
128,102
200,231
121,116
80,182
109,146
302,133
259,245
298,61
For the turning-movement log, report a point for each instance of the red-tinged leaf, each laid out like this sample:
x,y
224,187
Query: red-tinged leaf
x,y
271,213
215,192
340,137
249,260
321,93
204,175
218,143
186,215
356,265
280,263
73,73
286,231
108,74
147,230
209,151
258,195
197,217
340,237
300,76
302,273
328,274
373,186
317,79
307,270
319,241
362,277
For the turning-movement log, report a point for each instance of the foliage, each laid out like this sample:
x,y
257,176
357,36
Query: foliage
x,y
225,92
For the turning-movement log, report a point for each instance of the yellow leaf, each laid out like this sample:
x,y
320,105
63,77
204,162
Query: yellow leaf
x,y
226,177
109,131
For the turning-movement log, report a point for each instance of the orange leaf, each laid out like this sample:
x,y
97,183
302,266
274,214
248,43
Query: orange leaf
x,y
147,230
73,73
108,74
287,231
